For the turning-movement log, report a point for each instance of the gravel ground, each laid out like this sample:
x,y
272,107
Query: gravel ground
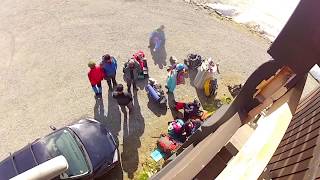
x,y
45,47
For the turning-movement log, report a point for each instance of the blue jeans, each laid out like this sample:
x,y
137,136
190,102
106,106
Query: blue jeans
x,y
97,89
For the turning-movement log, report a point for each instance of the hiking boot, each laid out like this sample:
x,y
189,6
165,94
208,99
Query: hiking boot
x,y
98,96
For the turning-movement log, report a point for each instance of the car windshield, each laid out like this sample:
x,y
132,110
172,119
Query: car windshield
x,y
63,143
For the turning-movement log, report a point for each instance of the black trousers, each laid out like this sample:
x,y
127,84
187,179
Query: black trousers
x,y
113,79
131,82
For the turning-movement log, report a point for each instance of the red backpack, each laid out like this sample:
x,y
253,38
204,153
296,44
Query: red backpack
x,y
166,144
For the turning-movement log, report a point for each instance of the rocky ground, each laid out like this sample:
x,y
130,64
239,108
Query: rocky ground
x,y
45,47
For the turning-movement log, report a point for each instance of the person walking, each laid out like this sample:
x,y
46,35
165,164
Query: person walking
x,y
131,71
109,66
157,39
95,76
124,99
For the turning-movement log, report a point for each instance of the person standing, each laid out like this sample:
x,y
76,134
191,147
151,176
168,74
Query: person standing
x,y
131,71
109,65
95,76
124,99
171,80
157,39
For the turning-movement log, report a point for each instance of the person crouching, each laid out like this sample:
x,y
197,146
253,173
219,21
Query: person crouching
x,y
124,99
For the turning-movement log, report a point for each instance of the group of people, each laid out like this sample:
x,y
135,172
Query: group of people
x,y
107,70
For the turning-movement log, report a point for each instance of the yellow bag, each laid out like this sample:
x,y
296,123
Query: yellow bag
x,y
206,87
210,86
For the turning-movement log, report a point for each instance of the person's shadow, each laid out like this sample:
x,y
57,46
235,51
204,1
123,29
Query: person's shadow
x,y
156,108
133,128
157,47
113,122
99,110
172,104
192,74
113,118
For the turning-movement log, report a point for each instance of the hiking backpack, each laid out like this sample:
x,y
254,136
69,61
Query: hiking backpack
x,y
193,61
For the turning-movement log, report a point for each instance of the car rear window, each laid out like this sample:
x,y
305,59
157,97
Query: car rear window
x,y
63,143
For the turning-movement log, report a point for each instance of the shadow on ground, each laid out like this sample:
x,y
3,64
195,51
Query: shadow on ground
x,y
192,73
141,84
211,103
112,119
208,103
133,128
113,122
156,109
171,103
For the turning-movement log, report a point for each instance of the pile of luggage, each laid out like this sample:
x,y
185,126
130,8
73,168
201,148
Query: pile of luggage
x,y
235,89
206,77
181,128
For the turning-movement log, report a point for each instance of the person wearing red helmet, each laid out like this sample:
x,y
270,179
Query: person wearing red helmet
x,y
139,56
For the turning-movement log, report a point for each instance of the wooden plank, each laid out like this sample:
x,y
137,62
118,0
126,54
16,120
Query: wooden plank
x,y
252,159
212,169
232,149
241,136
256,153
225,154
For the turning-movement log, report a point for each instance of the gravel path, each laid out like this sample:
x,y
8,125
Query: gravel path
x,y
45,47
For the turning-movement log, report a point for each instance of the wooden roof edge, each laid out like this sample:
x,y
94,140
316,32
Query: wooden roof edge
x,y
252,159
313,167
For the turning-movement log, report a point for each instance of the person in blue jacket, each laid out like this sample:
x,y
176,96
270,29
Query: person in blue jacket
x,y
109,66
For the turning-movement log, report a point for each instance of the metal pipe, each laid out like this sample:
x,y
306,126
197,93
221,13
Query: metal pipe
x,y
46,170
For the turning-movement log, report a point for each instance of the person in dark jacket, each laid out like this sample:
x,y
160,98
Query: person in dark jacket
x,y
109,65
131,71
123,98
95,76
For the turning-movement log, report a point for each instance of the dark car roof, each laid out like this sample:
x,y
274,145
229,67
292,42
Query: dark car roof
x,y
18,162
97,141
95,138
26,158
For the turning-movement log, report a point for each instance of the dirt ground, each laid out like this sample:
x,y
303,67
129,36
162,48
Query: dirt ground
x,y
45,47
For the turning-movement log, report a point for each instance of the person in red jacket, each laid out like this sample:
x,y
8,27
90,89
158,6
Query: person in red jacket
x,y
95,76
